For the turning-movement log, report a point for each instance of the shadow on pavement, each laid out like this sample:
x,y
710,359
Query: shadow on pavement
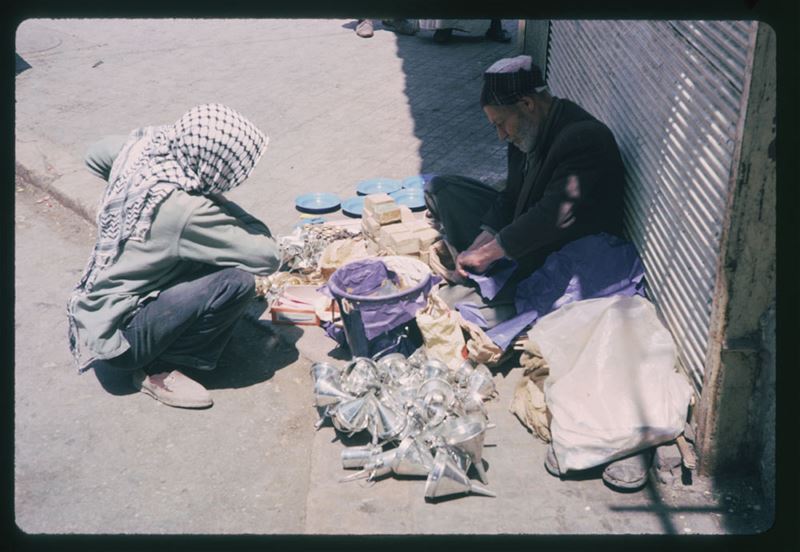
x,y
252,356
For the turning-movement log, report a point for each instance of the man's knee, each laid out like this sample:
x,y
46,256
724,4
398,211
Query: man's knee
x,y
239,284
101,154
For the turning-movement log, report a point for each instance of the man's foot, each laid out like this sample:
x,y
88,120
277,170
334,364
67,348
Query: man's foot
x,y
442,36
173,389
401,26
630,473
364,28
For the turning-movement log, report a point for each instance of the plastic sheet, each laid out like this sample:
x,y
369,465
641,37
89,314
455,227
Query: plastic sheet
x,y
613,388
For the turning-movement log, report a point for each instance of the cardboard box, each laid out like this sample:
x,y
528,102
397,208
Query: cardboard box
x,y
295,306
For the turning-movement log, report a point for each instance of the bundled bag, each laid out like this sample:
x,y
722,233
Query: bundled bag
x,y
341,252
529,403
613,387
442,262
441,332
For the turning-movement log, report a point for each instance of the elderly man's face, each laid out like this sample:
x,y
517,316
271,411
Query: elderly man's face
x,y
518,123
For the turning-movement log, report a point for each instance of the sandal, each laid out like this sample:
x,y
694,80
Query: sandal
x,y
630,473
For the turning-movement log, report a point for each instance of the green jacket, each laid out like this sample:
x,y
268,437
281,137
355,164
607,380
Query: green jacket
x,y
186,230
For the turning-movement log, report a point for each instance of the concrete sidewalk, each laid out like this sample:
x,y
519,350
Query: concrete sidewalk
x,y
338,109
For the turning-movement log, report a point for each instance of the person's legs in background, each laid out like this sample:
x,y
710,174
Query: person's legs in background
x,y
364,28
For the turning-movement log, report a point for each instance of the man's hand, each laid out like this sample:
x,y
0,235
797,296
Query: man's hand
x,y
477,259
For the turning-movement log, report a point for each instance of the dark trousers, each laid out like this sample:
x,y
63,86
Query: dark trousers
x,y
187,324
458,203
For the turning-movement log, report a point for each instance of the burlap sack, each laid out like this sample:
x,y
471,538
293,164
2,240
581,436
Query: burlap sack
x,y
441,332
529,403
442,263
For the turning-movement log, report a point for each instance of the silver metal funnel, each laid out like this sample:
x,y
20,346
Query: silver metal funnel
x,y
481,382
433,368
460,457
352,415
328,392
462,373
468,435
379,465
325,370
358,457
436,390
412,458
386,422
360,375
392,367
447,478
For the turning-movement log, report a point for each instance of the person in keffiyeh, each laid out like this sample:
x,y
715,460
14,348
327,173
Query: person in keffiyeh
x,y
174,264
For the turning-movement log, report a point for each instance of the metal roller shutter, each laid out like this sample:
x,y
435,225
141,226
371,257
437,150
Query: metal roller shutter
x,y
671,91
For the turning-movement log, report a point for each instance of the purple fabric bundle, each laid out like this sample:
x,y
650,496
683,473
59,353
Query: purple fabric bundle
x,y
600,265
369,286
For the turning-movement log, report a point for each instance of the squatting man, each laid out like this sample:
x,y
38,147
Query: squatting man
x,y
174,264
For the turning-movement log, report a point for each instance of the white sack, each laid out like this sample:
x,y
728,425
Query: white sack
x,y
613,387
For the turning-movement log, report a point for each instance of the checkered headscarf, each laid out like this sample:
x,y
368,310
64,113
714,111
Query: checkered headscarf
x,y
508,79
211,149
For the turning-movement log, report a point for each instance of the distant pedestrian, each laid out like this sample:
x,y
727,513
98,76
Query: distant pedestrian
x,y
365,27
174,264
443,28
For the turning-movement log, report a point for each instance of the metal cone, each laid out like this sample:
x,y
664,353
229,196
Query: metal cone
x,y
434,369
387,422
328,392
324,370
458,456
412,458
481,383
436,390
447,478
358,457
353,415
468,435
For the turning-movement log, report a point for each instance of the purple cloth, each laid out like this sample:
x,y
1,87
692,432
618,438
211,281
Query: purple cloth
x,y
600,265
383,310
472,313
492,281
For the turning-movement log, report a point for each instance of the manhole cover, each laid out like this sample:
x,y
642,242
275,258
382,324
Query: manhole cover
x,y
34,39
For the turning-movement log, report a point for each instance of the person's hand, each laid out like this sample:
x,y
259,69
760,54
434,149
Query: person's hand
x,y
477,260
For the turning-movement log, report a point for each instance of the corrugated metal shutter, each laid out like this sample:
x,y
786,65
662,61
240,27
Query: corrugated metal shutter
x,y
671,91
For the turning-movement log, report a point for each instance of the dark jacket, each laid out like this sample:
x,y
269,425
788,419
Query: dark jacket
x,y
577,188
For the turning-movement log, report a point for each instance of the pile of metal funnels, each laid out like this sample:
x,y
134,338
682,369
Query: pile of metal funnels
x,y
434,416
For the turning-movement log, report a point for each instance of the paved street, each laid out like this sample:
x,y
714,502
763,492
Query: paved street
x,y
96,458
